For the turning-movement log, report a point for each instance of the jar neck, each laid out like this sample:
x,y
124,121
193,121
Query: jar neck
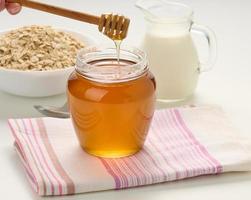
x,y
100,64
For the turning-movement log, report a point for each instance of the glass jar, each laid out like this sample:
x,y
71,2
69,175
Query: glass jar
x,y
111,103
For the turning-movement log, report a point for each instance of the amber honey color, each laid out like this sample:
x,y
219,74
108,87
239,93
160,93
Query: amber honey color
x,y
111,119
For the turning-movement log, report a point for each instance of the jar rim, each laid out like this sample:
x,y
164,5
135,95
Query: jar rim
x,y
133,59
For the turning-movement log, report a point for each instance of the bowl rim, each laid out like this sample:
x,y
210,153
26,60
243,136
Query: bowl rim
x,y
38,72
87,36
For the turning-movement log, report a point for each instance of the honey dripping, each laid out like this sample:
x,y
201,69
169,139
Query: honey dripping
x,y
117,46
116,28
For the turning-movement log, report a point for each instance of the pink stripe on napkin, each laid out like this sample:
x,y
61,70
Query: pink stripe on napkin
x,y
182,143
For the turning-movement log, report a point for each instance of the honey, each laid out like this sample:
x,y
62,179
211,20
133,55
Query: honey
x,y
117,45
112,104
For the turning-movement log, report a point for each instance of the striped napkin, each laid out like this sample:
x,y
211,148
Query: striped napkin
x,y
182,143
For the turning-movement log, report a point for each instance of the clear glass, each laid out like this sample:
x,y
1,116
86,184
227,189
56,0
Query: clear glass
x,y
137,63
111,104
172,54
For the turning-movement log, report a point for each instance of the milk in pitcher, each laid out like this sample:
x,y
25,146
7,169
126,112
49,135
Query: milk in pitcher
x,y
174,62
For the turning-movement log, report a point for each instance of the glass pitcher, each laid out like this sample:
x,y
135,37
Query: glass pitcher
x,y
172,55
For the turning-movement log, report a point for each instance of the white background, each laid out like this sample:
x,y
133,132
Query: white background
x,y
227,85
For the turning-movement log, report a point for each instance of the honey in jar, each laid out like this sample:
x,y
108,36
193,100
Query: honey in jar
x,y
111,102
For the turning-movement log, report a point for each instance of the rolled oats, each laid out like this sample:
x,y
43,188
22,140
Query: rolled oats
x,y
38,48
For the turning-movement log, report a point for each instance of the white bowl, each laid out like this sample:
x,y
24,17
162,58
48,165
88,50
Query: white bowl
x,y
39,83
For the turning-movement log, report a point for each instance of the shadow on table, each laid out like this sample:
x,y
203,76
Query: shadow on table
x,y
12,106
195,99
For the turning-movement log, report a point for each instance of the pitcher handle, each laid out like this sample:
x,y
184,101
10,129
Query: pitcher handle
x,y
212,46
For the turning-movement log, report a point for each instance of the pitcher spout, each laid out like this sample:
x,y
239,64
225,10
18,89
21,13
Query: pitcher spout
x,y
146,5
164,11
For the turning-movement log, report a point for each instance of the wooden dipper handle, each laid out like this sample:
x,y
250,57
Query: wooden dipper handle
x,y
92,19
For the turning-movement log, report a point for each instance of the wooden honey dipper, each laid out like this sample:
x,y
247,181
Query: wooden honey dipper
x,y
114,26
